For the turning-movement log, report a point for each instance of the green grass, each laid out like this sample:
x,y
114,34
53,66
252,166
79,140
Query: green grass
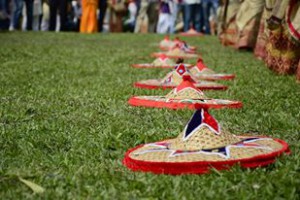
x,y
65,123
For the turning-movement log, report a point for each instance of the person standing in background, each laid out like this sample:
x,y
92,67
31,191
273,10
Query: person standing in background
x,y
37,13
177,11
4,15
142,21
247,23
60,5
88,22
193,15
129,22
165,20
152,12
46,16
18,7
102,11
209,14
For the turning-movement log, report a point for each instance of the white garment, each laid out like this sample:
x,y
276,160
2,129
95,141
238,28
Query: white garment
x,y
46,17
165,23
142,20
191,1
132,8
37,7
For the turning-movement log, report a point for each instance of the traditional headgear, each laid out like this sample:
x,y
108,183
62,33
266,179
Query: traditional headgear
x,y
201,72
185,95
174,78
178,51
161,62
191,33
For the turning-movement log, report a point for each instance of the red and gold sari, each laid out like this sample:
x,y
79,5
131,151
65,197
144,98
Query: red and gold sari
x,y
227,27
260,46
283,45
247,22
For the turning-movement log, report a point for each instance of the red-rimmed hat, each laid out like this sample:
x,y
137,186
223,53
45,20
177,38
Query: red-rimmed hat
x,y
166,44
203,146
201,72
161,62
191,33
174,78
185,95
178,51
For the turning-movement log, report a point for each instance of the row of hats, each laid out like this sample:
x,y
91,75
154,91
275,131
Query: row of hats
x,y
202,144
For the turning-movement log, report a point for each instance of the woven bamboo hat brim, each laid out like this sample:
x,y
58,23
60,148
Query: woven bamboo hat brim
x,y
202,146
167,44
185,95
178,52
161,62
191,33
201,72
174,78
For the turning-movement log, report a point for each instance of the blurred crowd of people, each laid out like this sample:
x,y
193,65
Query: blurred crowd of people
x,y
161,16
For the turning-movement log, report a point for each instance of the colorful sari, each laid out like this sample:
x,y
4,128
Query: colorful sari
x,y
260,46
247,22
283,45
227,26
89,22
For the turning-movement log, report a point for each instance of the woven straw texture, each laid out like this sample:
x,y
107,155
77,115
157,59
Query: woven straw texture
x,y
203,138
157,83
201,85
163,62
160,154
186,93
195,71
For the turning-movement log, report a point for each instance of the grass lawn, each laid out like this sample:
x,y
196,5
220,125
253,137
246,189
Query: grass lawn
x,y
65,123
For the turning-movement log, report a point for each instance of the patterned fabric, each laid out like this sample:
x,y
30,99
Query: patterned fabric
x,y
282,54
260,46
283,48
227,27
248,21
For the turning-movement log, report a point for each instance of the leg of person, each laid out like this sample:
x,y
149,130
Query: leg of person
x,y
53,4
160,23
163,21
173,17
141,25
18,6
63,4
35,22
29,14
198,17
152,16
4,22
187,17
206,5
102,9
45,17
170,24
213,17
180,8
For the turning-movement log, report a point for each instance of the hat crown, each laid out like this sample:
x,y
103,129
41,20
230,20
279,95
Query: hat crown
x,y
203,132
186,89
200,65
